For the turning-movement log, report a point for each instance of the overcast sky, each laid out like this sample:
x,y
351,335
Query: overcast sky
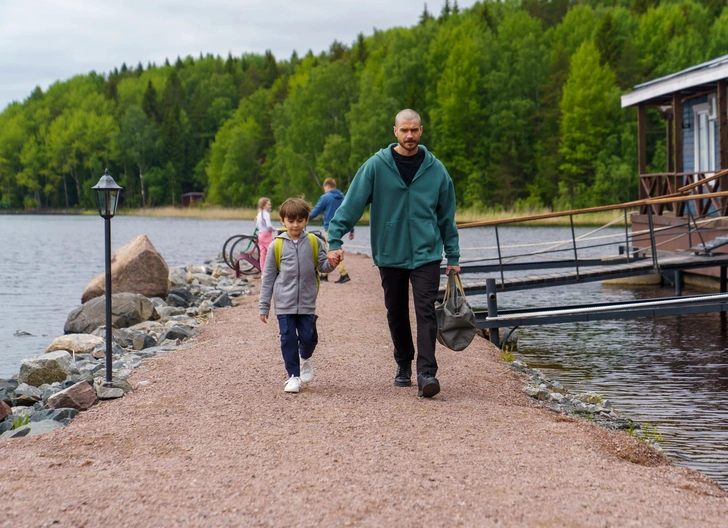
x,y
42,41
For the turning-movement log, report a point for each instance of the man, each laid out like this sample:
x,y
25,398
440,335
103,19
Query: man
x,y
412,219
328,204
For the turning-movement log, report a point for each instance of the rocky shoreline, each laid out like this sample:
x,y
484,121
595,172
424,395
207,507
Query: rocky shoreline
x,y
589,406
52,388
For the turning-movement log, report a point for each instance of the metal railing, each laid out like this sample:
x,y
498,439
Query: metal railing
x,y
639,253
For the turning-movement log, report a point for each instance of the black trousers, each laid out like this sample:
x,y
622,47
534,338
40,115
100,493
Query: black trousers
x,y
425,281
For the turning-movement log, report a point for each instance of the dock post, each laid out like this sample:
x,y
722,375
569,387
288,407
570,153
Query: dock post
x,y
678,282
492,310
722,279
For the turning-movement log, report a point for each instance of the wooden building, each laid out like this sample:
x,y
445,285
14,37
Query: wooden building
x,y
694,105
191,198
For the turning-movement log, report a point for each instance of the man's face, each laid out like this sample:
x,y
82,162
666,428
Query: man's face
x,y
408,134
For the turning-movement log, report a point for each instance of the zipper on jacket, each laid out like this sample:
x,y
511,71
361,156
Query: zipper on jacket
x,y
298,277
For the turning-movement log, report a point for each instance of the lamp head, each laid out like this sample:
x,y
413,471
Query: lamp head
x,y
107,195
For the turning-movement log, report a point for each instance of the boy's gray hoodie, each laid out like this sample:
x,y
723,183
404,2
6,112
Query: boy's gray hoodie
x,y
294,287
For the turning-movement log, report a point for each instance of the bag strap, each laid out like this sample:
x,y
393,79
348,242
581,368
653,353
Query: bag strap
x,y
454,287
459,286
277,250
313,239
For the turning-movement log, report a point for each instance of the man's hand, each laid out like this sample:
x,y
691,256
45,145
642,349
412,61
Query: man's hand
x,y
456,269
264,318
335,256
351,235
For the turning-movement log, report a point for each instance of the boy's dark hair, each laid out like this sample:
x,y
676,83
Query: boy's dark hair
x,y
294,208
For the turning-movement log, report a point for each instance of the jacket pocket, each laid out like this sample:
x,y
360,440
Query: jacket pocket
x,y
392,237
424,239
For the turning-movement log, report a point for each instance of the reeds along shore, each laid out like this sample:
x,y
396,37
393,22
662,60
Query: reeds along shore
x,y
462,216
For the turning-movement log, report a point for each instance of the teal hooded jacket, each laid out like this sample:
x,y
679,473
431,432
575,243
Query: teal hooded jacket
x,y
410,226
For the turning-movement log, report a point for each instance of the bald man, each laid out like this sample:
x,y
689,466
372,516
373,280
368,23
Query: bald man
x,y
412,221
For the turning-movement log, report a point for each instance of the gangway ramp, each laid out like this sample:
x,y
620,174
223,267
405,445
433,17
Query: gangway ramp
x,y
667,262
603,311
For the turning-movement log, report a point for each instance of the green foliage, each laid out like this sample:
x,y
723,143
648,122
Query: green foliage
x,y
20,421
649,434
520,100
506,353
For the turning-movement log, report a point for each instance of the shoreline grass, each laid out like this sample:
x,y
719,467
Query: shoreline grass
x,y
462,215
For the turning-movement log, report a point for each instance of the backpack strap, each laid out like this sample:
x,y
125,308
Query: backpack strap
x,y
313,239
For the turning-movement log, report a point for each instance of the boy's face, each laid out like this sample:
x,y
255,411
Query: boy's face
x,y
295,226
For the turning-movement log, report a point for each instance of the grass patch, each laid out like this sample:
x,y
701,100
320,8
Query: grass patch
x,y
20,421
462,216
211,213
506,353
649,434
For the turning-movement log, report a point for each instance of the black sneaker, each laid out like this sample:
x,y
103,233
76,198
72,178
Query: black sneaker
x,y
324,278
342,279
428,385
403,378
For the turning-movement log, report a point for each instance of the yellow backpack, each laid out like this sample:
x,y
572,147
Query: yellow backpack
x,y
313,239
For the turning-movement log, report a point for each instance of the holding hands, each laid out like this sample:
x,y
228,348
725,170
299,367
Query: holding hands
x,y
335,256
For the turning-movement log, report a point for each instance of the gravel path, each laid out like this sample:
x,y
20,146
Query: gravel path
x,y
212,440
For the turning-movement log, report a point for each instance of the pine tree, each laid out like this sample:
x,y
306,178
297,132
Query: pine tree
x,y
607,41
230,64
425,17
360,49
112,91
337,50
270,69
445,12
150,104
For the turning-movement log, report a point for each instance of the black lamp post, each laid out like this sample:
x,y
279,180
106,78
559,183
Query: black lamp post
x,y
107,199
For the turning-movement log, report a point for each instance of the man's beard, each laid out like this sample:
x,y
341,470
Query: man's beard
x,y
413,149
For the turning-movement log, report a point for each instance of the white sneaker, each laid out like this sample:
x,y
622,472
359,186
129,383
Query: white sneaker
x,y
293,384
306,370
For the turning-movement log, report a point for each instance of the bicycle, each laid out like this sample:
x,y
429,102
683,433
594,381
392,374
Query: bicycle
x,y
243,254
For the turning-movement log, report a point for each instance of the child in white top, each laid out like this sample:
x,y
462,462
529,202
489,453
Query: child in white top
x,y
265,229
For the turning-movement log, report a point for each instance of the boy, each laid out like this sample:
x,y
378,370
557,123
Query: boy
x,y
290,277
328,204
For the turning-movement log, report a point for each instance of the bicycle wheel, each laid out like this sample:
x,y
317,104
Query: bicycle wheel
x,y
246,254
226,253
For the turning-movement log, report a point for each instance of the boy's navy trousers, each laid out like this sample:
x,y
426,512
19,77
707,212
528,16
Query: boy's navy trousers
x,y
298,338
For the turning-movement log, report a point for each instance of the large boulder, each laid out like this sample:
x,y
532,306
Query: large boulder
x,y
76,343
136,267
5,410
54,366
80,396
127,309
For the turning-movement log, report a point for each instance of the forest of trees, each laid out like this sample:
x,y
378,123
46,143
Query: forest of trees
x,y
519,99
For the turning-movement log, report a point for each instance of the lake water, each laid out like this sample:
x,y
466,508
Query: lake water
x,y
671,372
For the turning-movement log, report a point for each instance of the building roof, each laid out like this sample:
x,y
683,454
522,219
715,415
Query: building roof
x,y
690,80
